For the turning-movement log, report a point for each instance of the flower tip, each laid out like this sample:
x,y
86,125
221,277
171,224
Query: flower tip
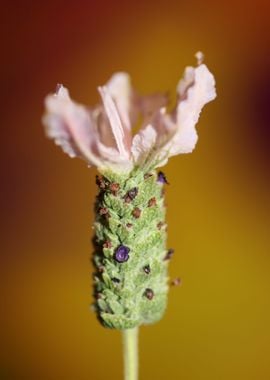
x,y
61,91
58,88
120,78
200,57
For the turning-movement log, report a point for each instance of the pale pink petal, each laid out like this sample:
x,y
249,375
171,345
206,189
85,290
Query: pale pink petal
x,y
102,136
175,133
129,103
186,83
195,90
120,90
119,87
151,143
113,160
103,128
120,134
143,143
69,125
149,105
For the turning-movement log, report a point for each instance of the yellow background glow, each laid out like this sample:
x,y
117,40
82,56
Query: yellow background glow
x,y
217,323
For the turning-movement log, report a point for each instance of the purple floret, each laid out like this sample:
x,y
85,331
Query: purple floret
x,y
121,254
161,178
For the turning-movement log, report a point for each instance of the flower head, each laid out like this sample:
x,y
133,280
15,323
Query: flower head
x,y
103,135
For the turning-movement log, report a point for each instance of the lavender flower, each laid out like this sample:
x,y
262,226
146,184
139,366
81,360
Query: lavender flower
x,y
130,228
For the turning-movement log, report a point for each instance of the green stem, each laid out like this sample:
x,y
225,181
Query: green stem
x,y
130,347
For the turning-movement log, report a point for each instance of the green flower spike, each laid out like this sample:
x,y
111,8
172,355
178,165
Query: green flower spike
x,y
130,258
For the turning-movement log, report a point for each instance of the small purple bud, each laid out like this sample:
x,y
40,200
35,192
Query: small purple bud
x,y
161,178
121,254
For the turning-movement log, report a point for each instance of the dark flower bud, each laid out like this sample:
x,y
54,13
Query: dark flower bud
x,y
107,244
100,181
149,293
169,254
176,282
121,254
160,225
152,202
103,211
161,178
147,269
131,194
116,280
147,175
114,187
136,212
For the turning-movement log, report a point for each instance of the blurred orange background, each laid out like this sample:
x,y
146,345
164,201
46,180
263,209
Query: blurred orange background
x,y
217,322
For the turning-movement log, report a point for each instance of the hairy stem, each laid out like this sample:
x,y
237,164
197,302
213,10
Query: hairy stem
x,y
130,349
